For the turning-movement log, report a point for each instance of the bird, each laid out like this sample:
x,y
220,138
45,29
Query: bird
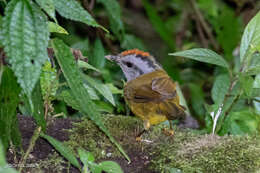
x,y
149,91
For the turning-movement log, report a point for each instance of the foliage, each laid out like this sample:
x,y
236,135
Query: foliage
x,y
52,63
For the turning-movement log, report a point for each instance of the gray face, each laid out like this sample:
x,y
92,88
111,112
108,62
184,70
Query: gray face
x,y
134,66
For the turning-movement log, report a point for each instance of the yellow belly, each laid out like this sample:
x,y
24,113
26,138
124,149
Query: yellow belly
x,y
148,112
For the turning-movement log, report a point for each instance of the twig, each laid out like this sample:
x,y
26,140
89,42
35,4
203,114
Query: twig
x,y
34,138
204,25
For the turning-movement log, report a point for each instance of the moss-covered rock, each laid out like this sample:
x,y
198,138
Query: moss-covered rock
x,y
187,150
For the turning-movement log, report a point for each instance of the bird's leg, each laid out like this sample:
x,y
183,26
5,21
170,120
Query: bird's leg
x,y
146,127
169,132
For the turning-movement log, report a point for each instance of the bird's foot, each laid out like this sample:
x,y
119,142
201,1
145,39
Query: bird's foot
x,y
168,132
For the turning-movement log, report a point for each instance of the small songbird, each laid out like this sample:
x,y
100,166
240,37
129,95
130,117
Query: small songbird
x,y
149,91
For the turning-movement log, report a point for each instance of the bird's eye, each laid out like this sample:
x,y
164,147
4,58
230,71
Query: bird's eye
x,y
129,64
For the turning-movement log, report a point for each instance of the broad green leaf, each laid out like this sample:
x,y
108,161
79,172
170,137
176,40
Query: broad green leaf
x,y
158,24
247,83
83,64
71,9
1,31
25,40
62,149
48,7
101,88
243,122
114,13
251,37
9,99
132,42
104,106
85,156
54,27
75,81
110,167
98,57
220,88
203,55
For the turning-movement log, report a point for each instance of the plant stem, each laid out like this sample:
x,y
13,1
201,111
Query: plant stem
x,y
34,138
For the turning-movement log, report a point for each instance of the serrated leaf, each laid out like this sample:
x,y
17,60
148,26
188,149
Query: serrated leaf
x,y
9,99
251,37
71,9
101,88
203,55
158,24
25,41
110,167
75,81
220,88
48,7
114,13
98,57
54,27
62,149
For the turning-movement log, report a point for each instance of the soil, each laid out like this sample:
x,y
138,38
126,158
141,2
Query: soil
x,y
57,129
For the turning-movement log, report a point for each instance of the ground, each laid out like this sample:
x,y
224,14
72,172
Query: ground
x,y
187,151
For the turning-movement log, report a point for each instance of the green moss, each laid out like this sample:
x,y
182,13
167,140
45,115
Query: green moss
x,y
187,150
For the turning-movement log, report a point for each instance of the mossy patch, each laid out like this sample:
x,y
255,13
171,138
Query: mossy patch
x,y
187,150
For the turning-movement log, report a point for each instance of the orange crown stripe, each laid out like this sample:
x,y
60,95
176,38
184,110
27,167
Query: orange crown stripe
x,y
135,51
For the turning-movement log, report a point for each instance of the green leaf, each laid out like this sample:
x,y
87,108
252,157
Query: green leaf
x,y
220,88
85,156
110,167
132,42
83,64
257,85
114,89
101,88
197,100
38,110
227,36
203,55
48,7
75,81
247,83
114,13
9,99
48,81
54,27
254,67
71,9
25,39
98,57
158,24
243,122
251,37
62,149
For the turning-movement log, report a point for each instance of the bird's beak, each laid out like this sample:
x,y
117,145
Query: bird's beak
x,y
111,57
